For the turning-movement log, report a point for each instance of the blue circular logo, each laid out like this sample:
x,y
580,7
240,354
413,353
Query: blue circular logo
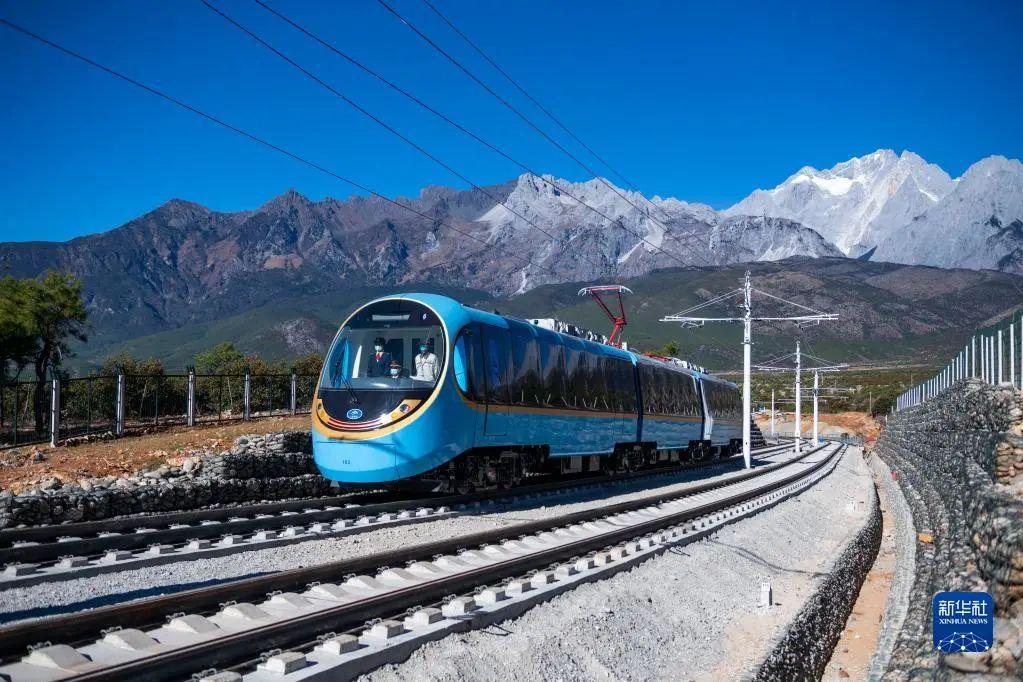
x,y
354,413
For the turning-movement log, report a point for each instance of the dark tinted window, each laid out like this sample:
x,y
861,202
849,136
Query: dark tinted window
x,y
552,368
690,400
625,386
497,352
470,348
576,373
526,386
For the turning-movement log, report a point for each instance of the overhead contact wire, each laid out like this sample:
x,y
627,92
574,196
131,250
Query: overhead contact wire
x,y
244,133
537,128
373,117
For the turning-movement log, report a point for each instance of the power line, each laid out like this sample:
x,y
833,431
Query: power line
x,y
535,127
397,88
373,117
541,107
250,136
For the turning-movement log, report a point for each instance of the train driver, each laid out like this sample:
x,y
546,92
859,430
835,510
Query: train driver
x,y
427,367
380,362
396,370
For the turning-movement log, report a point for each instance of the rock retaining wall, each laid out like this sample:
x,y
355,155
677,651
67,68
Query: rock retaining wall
x,y
959,461
805,649
271,467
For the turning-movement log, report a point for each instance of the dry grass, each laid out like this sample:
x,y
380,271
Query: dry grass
x,y
130,454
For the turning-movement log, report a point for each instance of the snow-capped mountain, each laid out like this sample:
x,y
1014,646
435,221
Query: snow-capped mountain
x,y
857,203
182,262
979,224
624,234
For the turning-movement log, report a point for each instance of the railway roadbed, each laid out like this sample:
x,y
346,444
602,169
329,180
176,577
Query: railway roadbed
x,y
175,572
692,613
44,553
324,607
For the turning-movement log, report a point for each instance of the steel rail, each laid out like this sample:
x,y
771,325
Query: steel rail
x,y
78,628
223,651
86,539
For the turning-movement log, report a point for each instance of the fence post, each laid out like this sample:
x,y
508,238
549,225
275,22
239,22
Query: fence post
x,y
54,412
247,398
1012,354
973,355
119,423
1000,355
294,393
191,397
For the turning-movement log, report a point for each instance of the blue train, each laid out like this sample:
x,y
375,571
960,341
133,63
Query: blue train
x,y
421,388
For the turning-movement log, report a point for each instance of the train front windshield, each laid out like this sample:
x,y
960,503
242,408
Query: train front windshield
x,y
391,352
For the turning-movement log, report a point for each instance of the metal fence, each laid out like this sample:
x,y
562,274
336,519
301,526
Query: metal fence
x,y
125,403
990,357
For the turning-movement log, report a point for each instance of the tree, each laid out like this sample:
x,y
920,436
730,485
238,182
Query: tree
x,y
57,315
223,358
17,340
125,363
309,364
670,350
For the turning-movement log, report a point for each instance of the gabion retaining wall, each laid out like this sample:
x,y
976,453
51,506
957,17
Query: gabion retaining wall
x,y
271,467
959,462
805,649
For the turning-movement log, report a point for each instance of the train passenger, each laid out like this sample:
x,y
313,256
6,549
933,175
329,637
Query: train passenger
x,y
427,367
380,363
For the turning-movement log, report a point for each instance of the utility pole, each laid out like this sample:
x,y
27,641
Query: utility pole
x,y
747,344
747,290
816,390
797,358
772,414
799,401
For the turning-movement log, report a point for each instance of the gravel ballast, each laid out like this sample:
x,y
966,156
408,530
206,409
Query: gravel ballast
x,y
689,613
89,592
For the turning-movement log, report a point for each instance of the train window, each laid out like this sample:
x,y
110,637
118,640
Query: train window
x,y
651,393
460,362
552,368
671,385
595,383
468,354
626,383
688,400
609,399
575,375
497,352
525,386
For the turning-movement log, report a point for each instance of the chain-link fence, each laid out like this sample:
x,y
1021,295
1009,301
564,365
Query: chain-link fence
x,y
126,403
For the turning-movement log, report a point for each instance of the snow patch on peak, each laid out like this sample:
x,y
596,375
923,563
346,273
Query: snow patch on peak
x,y
856,203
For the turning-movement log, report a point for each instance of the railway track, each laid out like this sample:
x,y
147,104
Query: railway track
x,y
319,614
42,554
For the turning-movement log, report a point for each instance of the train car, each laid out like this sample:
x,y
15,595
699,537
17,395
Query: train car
x,y
419,387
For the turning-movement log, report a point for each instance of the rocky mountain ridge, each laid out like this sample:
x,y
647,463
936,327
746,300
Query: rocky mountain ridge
x,y
183,263
902,209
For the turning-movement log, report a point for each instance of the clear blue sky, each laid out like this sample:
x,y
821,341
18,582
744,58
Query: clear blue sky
x,y
701,101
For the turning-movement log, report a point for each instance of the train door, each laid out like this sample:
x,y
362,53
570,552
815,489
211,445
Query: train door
x,y
708,414
496,351
619,380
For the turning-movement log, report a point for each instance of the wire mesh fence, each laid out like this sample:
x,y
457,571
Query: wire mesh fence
x,y
18,406
118,404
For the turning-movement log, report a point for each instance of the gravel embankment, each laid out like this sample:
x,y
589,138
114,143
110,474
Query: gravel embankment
x,y
73,595
688,614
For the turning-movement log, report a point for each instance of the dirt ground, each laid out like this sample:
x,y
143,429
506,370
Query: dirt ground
x,y
856,647
22,468
856,423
